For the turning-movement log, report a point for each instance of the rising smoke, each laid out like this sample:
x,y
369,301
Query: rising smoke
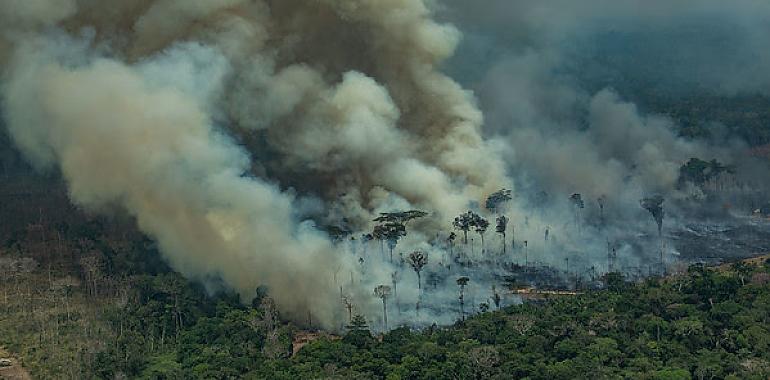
x,y
216,123
235,130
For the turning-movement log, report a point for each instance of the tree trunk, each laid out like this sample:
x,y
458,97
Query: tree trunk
x,y
385,313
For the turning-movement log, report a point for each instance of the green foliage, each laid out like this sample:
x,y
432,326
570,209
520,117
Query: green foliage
x,y
706,323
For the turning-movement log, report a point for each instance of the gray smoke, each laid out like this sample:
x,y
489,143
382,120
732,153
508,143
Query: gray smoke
x,y
572,88
222,125
233,130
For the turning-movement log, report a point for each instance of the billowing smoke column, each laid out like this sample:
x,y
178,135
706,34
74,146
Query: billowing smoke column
x,y
235,130
222,126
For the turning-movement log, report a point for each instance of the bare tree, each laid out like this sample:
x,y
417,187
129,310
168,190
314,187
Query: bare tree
x,y
349,308
173,287
417,260
520,323
484,359
462,282
93,272
383,292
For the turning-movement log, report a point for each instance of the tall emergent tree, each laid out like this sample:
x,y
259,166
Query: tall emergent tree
x,y
464,222
379,233
480,226
451,242
383,292
654,205
417,260
497,199
400,216
462,282
578,204
390,232
392,226
502,225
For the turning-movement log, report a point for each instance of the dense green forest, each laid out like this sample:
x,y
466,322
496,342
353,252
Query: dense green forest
x,y
707,323
704,324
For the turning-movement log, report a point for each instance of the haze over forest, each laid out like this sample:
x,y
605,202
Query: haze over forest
x,y
341,157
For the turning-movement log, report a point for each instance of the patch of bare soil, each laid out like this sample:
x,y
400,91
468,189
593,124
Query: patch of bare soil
x,y
10,368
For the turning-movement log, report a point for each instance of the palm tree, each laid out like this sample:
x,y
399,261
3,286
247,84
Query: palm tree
x,y
654,205
417,260
383,292
481,226
464,222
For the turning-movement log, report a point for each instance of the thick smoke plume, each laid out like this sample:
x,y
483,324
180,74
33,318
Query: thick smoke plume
x,y
241,134
219,124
